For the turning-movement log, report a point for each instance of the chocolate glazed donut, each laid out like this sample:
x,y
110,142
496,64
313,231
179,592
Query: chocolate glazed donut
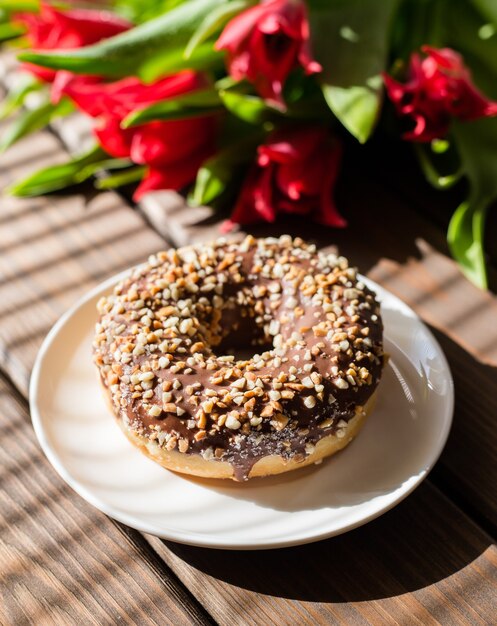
x,y
161,344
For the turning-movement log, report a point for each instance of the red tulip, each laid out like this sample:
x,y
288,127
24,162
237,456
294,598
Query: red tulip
x,y
266,42
173,150
51,29
295,173
438,89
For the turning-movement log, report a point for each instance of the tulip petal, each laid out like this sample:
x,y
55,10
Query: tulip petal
x,y
296,173
113,139
238,28
265,43
327,212
439,88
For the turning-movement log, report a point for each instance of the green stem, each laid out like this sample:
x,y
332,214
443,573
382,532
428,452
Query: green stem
x,y
57,177
436,23
119,180
433,176
10,31
15,98
465,236
30,6
32,120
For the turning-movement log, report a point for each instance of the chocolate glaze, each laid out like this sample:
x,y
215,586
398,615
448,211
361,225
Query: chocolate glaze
x,y
240,314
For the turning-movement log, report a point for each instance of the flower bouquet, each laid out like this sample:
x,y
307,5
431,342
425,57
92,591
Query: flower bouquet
x,y
250,104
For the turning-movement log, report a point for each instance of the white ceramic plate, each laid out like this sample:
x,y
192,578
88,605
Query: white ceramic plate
x,y
399,444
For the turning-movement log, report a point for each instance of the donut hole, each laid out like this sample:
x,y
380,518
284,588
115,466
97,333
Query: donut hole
x,y
244,343
244,353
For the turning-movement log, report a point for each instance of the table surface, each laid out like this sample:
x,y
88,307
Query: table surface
x,y
431,560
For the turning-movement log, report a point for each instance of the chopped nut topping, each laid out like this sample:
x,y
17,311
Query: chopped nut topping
x,y
183,445
154,411
232,422
158,332
310,402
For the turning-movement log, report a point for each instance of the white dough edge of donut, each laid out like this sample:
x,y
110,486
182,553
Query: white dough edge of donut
x,y
195,464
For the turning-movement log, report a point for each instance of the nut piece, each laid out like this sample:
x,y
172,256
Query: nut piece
x,y
279,421
155,410
232,422
310,402
156,338
183,445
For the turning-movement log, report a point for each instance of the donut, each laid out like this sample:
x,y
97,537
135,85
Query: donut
x,y
167,348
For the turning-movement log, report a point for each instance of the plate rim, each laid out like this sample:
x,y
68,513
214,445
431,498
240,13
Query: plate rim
x,y
196,539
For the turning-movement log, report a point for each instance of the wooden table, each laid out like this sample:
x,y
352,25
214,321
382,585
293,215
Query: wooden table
x,y
431,560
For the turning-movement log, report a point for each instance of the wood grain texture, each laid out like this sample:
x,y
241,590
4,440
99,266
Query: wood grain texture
x,y
411,262
69,564
53,249
181,224
385,238
425,562
406,254
61,560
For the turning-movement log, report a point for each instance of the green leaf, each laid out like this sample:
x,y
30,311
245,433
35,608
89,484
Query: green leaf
x,y
464,35
226,82
15,97
476,143
214,22
187,105
131,175
350,38
10,31
417,22
58,177
138,11
217,172
248,108
465,237
487,8
438,180
203,58
18,6
210,183
147,50
32,120
356,107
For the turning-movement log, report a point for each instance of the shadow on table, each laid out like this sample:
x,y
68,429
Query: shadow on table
x,y
424,540
467,470
369,221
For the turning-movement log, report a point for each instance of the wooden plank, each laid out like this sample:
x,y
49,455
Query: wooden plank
x,y
179,223
166,211
395,164
53,249
406,254
61,560
410,262
386,239
390,253
402,251
409,566
425,562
